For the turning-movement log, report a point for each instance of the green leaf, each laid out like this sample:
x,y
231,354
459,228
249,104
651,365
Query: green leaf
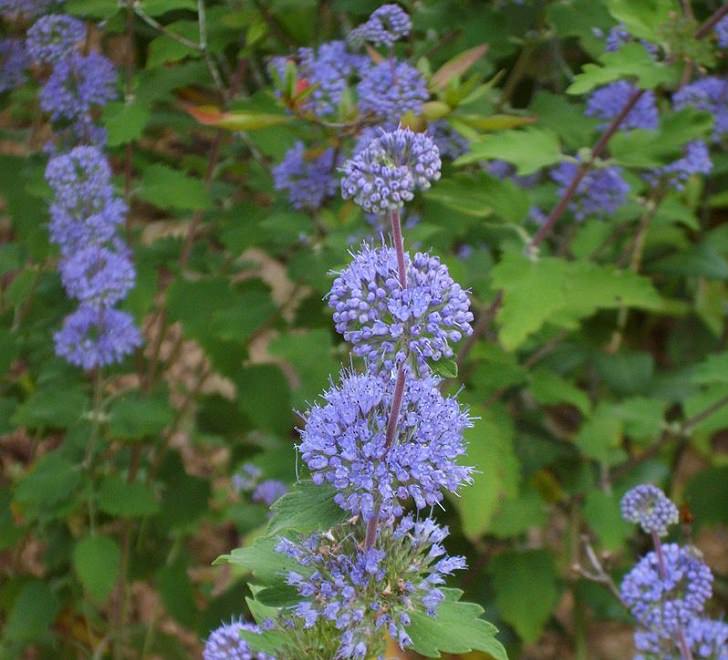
x,y
456,628
166,188
263,395
548,388
445,368
702,260
268,641
643,19
526,590
630,61
305,508
135,416
706,494
31,614
261,560
529,149
490,452
603,514
643,418
556,113
561,292
714,369
51,408
53,480
118,497
517,515
626,372
164,49
124,122
101,9
600,436
97,560
456,67
176,590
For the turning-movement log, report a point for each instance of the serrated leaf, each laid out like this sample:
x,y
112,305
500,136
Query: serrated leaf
x,y
52,480
261,560
529,149
445,368
600,436
51,408
134,416
304,509
548,388
642,19
96,560
714,369
526,590
561,292
456,66
124,122
630,61
490,452
166,188
125,499
456,628
604,516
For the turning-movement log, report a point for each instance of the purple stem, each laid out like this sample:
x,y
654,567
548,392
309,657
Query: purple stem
x,y
391,433
682,642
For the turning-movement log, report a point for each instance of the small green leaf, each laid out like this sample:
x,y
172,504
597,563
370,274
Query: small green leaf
x,y
305,508
261,560
600,436
118,497
529,150
135,416
445,368
124,122
525,588
166,188
706,495
714,369
51,408
548,388
159,7
96,560
52,480
101,9
603,514
456,628
31,613
643,19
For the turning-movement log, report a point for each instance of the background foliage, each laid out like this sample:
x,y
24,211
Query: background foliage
x,y
600,359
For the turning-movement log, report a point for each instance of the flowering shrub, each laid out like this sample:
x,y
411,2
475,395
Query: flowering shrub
x,y
340,330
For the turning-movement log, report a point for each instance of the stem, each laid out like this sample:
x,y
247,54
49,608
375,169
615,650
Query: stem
x,y
151,22
682,644
706,27
391,432
93,441
212,67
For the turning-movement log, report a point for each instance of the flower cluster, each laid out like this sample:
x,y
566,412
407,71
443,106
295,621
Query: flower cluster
x,y
225,643
54,37
14,61
362,593
709,94
387,25
607,102
668,588
385,323
721,31
309,180
345,443
600,193
249,479
385,174
695,160
14,9
390,89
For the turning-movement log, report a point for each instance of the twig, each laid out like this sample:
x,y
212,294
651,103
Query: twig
x,y
151,22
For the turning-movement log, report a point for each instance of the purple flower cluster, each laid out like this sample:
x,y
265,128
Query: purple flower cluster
x,y
344,442
328,70
54,37
386,25
448,141
387,171
362,593
695,160
600,193
618,36
607,102
709,94
721,31
390,89
14,60
269,491
14,9
249,479
225,643
387,324
647,506
667,590
308,179
665,602
95,267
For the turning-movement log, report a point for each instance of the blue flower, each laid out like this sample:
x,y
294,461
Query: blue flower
x,y
663,604
390,89
387,324
77,83
225,643
449,142
607,102
93,337
343,443
601,192
268,491
721,31
54,37
387,24
388,169
14,61
309,180
709,94
707,639
647,506
695,160
14,9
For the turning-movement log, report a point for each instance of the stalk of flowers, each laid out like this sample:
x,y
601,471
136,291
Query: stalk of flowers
x,y
385,438
668,588
95,265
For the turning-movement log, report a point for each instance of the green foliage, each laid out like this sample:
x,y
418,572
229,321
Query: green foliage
x,y
96,560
